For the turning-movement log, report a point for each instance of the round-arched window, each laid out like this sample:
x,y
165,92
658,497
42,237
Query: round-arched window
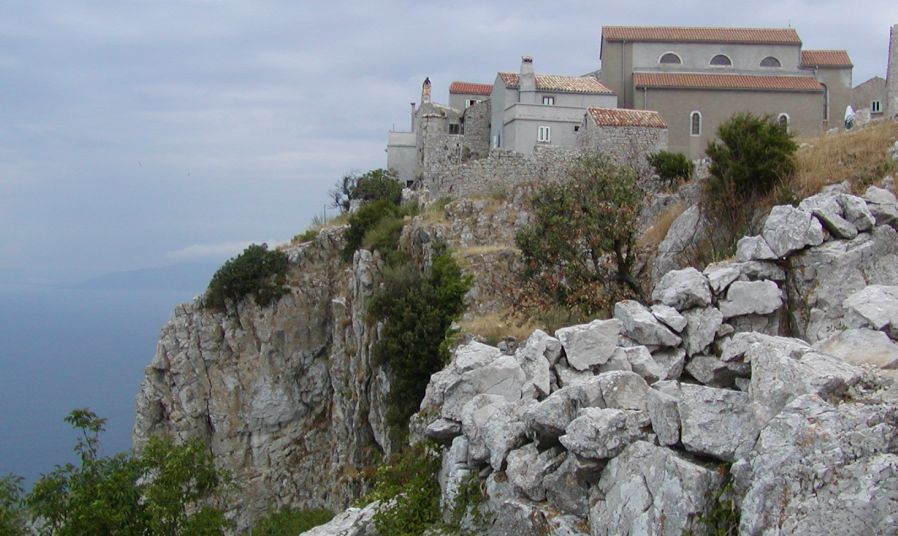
x,y
721,60
783,121
669,58
770,61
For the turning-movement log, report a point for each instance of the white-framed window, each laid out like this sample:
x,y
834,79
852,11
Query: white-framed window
x,y
496,141
783,121
670,58
721,60
770,61
453,128
549,100
875,107
695,124
544,134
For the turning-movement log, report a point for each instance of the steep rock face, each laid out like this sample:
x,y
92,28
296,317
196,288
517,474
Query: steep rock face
x,y
285,396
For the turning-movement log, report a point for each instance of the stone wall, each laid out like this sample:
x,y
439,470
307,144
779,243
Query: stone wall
x,y
624,146
476,142
499,171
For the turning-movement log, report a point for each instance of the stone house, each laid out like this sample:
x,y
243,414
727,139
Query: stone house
x,y
869,98
530,109
463,95
699,77
625,137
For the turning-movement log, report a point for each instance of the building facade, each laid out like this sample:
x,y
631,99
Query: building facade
x,y
870,98
891,109
699,77
625,137
530,109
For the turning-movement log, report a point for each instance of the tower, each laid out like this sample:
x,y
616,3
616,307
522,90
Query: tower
x,y
891,104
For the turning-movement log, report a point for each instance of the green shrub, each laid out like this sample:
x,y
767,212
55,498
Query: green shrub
x,y
12,517
409,491
580,250
366,218
417,310
384,237
722,516
377,184
256,271
289,521
752,155
305,236
673,168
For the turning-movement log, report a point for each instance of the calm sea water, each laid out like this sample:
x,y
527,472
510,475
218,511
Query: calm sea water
x,y
62,349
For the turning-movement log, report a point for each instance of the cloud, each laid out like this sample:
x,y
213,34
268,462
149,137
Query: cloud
x,y
213,251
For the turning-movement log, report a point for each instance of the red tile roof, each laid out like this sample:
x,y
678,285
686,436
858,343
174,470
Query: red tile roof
x,y
470,88
825,58
683,34
726,81
617,117
563,84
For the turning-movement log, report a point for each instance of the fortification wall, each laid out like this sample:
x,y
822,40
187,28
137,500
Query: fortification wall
x,y
476,142
625,146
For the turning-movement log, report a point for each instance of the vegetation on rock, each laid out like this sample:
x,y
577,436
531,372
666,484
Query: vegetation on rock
x,y
376,225
290,521
409,492
257,272
580,251
374,185
673,168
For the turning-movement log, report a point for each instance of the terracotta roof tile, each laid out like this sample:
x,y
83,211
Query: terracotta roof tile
x,y
684,34
726,81
470,88
563,84
617,117
825,58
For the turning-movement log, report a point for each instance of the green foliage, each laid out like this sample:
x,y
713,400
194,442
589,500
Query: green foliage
x,y
305,236
12,518
752,156
469,503
380,214
161,491
722,517
580,249
377,184
289,521
256,271
417,309
673,168
409,491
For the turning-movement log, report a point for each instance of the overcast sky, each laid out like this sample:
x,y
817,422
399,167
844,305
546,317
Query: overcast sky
x,y
142,133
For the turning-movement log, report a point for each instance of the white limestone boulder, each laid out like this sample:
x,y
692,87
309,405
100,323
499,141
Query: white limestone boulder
x,y
716,422
683,289
701,328
883,206
876,307
862,346
639,324
669,316
789,229
751,298
754,248
600,433
664,413
855,210
493,427
590,344
527,467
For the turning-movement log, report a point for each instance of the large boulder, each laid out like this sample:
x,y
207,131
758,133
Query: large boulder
x,y
600,433
682,237
664,413
350,522
641,325
590,344
683,289
716,422
532,357
875,306
751,298
527,467
454,471
882,205
862,346
855,210
651,490
789,229
754,248
669,316
567,488
702,326
821,468
493,427
518,517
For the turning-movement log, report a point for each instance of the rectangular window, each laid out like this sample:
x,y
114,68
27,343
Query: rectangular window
x,y
472,102
550,101
544,135
875,107
453,128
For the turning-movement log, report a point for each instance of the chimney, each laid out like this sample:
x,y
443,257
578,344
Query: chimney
x,y
891,104
413,116
527,81
425,91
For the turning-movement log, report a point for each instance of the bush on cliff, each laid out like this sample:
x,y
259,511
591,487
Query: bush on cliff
x,y
374,185
417,310
408,489
257,272
673,168
375,225
289,521
580,250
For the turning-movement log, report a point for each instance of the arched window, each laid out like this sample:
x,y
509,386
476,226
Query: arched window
x,y
783,121
695,124
770,61
669,58
721,60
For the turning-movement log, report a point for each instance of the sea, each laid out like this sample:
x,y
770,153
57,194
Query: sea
x,y
65,348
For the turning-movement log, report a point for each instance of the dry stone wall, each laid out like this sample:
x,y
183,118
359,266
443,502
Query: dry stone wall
x,y
625,146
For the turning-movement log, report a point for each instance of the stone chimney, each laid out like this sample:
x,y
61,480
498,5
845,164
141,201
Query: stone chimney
x,y
413,117
891,104
527,81
425,91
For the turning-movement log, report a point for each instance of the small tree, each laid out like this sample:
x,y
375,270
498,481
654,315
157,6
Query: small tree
x,y
377,184
256,271
752,155
672,167
580,251
12,518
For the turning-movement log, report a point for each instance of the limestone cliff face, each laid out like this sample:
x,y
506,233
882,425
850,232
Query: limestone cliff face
x,y
285,396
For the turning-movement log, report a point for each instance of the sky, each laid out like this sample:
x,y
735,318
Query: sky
x,y
138,134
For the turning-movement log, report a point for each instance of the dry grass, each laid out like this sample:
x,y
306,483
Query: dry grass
x,y
656,233
858,156
494,327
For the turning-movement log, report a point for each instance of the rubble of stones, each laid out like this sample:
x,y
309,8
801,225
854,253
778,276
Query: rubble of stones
x,y
633,425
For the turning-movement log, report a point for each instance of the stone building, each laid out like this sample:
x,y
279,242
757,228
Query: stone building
x,y
699,77
892,75
625,137
463,95
869,99
530,109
